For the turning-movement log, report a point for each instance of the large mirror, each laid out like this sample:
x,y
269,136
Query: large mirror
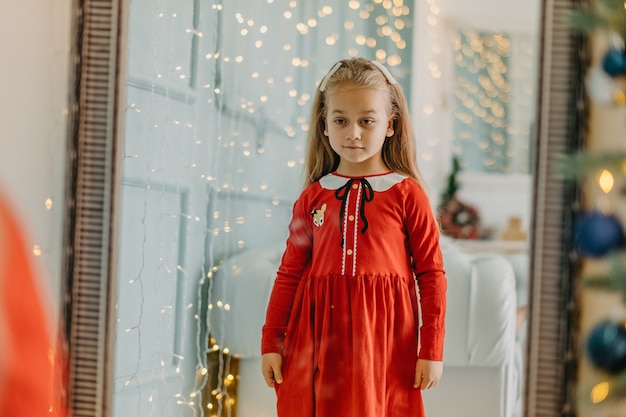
x,y
190,125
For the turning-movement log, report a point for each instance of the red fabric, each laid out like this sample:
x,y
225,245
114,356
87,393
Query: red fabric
x,y
345,317
31,368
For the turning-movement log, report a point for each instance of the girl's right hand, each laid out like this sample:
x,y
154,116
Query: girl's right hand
x,y
271,366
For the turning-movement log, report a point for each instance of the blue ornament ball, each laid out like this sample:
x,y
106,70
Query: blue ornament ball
x,y
614,62
606,346
596,234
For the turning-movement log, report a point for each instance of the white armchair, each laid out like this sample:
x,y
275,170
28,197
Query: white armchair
x,y
482,370
482,357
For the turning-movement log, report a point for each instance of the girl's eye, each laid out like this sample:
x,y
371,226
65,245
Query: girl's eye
x,y
367,121
339,121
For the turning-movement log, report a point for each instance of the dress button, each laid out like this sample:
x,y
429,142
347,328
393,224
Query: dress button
x,y
351,217
355,186
349,251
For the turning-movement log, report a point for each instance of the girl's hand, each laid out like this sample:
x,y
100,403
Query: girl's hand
x,y
271,366
427,373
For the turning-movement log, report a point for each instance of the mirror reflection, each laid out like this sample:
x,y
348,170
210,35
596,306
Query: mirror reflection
x,y
218,101
493,105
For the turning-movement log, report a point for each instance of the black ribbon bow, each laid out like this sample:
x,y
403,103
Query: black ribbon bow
x,y
367,195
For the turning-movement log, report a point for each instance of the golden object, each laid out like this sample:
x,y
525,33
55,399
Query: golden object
x,y
514,230
221,379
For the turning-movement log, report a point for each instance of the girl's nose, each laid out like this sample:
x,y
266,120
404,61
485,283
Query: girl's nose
x,y
354,133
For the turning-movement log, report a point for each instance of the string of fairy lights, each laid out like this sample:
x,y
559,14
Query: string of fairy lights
x,y
493,106
482,94
219,100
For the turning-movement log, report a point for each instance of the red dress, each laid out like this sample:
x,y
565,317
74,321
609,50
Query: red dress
x,y
344,306
32,367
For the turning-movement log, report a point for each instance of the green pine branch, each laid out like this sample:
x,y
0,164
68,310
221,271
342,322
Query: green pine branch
x,y
603,14
586,21
583,164
453,185
615,278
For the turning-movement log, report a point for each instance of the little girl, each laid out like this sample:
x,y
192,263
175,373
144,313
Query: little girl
x,y
342,335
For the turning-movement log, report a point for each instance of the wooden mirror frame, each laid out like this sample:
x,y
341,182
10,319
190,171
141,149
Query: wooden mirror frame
x,y
92,205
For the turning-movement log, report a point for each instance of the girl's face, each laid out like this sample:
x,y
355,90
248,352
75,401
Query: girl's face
x,y
357,125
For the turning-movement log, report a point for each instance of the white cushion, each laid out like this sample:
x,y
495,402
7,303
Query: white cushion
x,y
481,309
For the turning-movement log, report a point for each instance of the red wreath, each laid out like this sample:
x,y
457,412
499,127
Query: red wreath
x,y
459,220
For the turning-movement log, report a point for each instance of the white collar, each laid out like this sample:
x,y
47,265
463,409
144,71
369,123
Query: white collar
x,y
379,183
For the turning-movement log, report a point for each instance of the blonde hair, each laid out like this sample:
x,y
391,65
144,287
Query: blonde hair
x,y
398,152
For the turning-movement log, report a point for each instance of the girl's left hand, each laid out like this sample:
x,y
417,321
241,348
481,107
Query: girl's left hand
x,y
427,373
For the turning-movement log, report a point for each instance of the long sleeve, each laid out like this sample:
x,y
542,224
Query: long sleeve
x,y
293,264
429,272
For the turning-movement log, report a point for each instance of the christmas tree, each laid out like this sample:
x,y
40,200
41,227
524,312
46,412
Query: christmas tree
x,y
457,219
599,236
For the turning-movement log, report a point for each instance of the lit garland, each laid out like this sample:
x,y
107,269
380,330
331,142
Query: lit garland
x,y
493,76
220,381
220,114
